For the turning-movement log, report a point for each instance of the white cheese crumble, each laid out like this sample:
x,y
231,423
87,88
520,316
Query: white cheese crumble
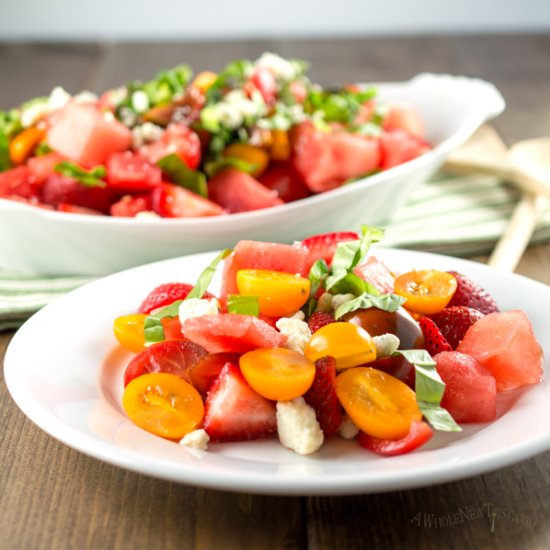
x,y
197,439
385,344
146,215
140,101
228,115
85,97
197,307
297,331
348,429
297,426
146,133
280,67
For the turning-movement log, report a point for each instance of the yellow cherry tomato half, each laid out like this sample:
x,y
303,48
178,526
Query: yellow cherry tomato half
x,y
279,374
278,293
349,344
427,291
204,80
250,154
163,404
379,404
22,145
129,332
280,145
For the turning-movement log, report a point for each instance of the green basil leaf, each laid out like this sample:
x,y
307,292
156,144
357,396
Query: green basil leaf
x,y
153,329
317,275
5,162
180,174
214,166
351,253
88,178
349,283
244,305
385,302
206,276
429,390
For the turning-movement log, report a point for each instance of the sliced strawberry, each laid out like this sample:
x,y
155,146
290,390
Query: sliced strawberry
x,y
470,294
43,166
130,206
232,332
60,189
169,356
166,294
454,321
323,246
375,272
319,319
235,412
178,139
434,341
171,201
74,209
419,433
132,172
322,396
282,178
238,191
205,371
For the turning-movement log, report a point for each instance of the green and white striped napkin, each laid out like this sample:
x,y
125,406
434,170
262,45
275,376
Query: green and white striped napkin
x,y
455,215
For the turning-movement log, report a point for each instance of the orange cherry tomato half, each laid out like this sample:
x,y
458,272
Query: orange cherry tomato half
x,y
163,404
278,293
128,330
349,344
427,291
22,145
250,154
204,80
379,404
279,374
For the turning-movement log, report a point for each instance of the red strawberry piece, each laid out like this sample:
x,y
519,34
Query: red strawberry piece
x,y
130,206
322,247
454,321
470,294
235,412
319,319
132,172
171,201
434,341
18,181
419,433
60,189
166,294
322,396
74,209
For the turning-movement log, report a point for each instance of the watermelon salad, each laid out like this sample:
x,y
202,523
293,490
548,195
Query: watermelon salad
x,y
320,339
255,135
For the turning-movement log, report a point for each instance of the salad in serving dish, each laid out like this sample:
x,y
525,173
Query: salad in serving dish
x,y
256,135
320,339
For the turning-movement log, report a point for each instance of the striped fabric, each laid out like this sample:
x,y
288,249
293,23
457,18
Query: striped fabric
x,y
455,215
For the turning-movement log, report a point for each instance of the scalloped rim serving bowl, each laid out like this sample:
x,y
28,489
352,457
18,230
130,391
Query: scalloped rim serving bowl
x,y
33,240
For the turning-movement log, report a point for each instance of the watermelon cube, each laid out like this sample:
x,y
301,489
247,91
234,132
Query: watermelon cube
x,y
86,135
504,342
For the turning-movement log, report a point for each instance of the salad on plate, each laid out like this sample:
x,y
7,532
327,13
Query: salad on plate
x,y
255,135
320,339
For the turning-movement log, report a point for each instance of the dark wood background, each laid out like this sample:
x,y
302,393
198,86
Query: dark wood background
x,y
54,497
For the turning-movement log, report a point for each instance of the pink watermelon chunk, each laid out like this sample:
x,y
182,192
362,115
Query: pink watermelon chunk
x,y
504,342
470,388
260,255
375,272
231,332
237,191
87,136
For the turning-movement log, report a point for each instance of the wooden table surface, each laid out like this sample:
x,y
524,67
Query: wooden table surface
x,y
54,497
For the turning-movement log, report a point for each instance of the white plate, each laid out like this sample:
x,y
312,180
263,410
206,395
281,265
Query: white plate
x,y
64,370
34,240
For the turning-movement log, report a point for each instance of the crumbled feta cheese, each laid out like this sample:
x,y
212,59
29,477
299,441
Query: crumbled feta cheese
x,y
58,99
297,331
385,344
33,114
197,439
146,133
297,426
228,115
299,315
127,117
339,299
85,97
281,68
197,307
140,101
348,429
